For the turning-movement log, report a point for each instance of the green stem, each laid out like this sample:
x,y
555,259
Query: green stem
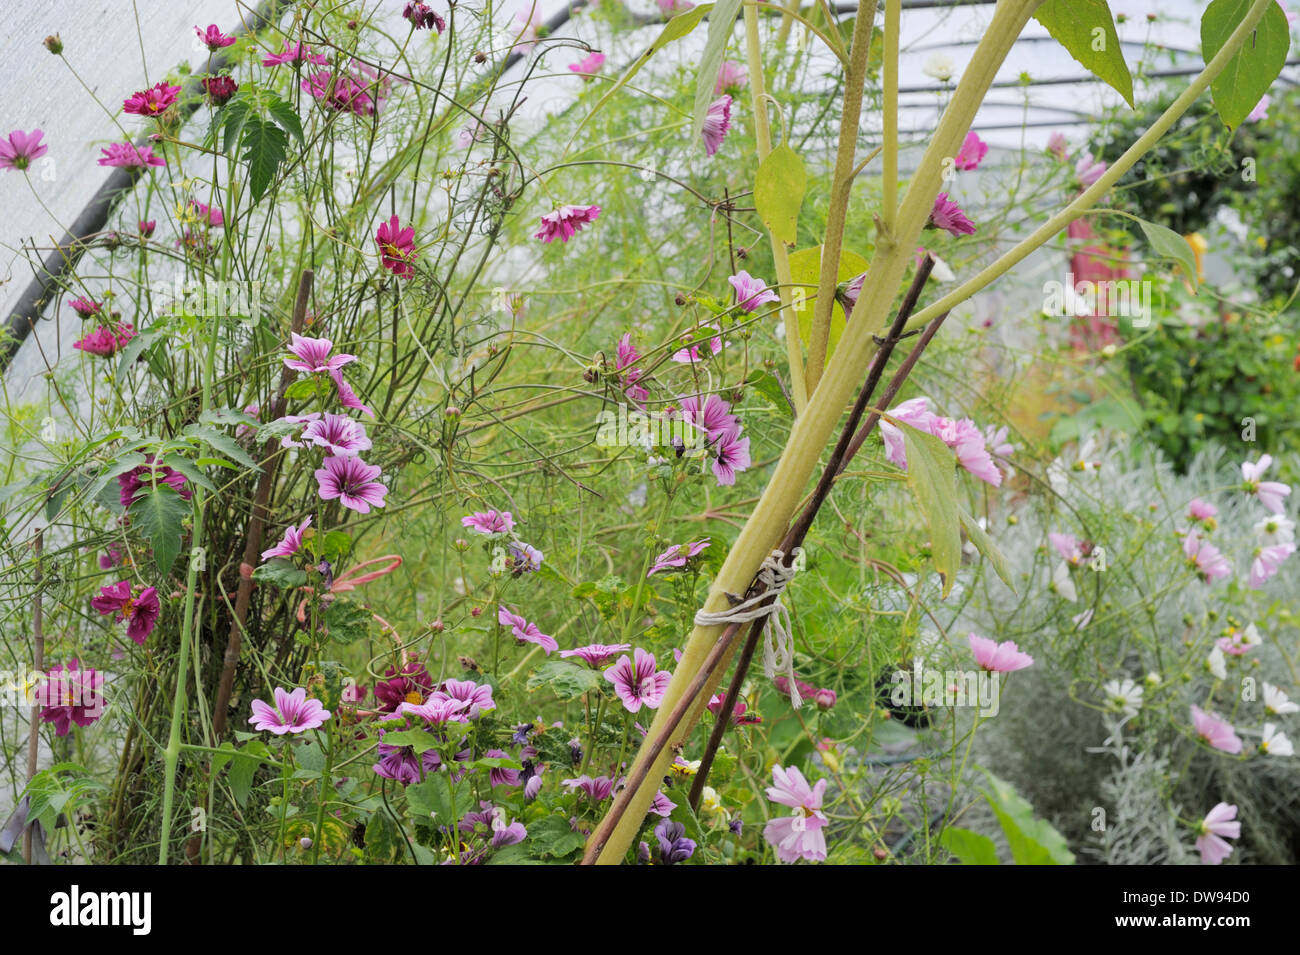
x,y
889,201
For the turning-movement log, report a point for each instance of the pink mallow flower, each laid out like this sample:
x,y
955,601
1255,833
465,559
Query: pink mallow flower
x,y
677,556
1267,562
589,65
731,456
947,215
126,154
691,352
489,522
70,695
565,222
352,482
1205,557
338,434
18,149
711,416
1215,731
151,102
716,123
313,355
290,543
1003,657
141,611
751,292
476,697
638,684
397,247
1270,493
526,632
213,38
798,835
1219,823
597,654
972,152
292,713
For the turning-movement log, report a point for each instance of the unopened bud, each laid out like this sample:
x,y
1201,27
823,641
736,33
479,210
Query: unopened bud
x,y
54,43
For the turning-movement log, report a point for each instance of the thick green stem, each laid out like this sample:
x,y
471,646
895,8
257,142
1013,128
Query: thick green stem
x,y
889,198
812,429
841,187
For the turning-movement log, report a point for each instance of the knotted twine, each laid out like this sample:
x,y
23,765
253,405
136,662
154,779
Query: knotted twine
x,y
778,635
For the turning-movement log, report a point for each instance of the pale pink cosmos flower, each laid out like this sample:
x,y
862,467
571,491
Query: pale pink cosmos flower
x,y
589,65
1088,170
313,355
1205,557
566,221
489,522
914,411
732,76
798,835
352,482
716,123
751,292
338,434
597,654
18,149
1057,146
1219,824
292,713
1261,109
294,53
1270,493
1003,657
670,7
526,632
638,684
1067,545
677,556
625,357
526,29
972,152
1198,510
692,352
996,441
1215,731
731,455
947,215
1267,562
967,441
151,102
290,543
1237,642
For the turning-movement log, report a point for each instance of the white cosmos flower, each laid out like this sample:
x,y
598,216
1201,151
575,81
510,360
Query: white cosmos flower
x,y
1275,743
1216,664
940,67
1124,696
1062,583
1275,529
1277,703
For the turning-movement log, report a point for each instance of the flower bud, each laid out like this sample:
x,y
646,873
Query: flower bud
x,y
54,43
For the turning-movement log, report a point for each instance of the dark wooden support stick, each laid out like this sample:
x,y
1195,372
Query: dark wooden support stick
x,y
34,737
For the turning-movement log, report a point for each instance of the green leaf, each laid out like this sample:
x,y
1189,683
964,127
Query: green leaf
x,y
436,801
126,462
233,117
285,115
421,741
778,192
985,545
969,847
347,622
553,837
722,23
281,573
1087,31
134,348
931,470
768,386
264,146
223,443
1033,841
1248,75
186,467
805,270
159,514
1170,245
566,680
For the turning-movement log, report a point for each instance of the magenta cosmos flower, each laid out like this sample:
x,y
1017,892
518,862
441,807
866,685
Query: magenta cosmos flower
x,y
422,17
338,434
638,684
972,152
565,222
716,123
589,65
947,215
597,654
149,474
1219,824
1205,557
1267,562
677,556
126,154
106,342
751,292
213,38
1217,732
210,214
353,482
1270,493
313,355
140,611
290,543
151,102
1002,657
70,695
626,356
489,522
360,91
85,307
798,835
294,53
292,713
18,149
526,632
397,247
967,442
